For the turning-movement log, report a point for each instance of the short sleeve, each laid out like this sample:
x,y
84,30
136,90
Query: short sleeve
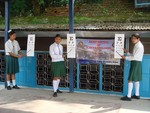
x,y
18,46
7,48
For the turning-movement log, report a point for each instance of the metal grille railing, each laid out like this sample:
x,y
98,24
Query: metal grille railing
x,y
2,66
44,71
113,77
89,76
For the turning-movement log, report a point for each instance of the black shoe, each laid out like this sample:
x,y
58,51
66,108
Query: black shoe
x,y
8,88
135,97
126,98
55,94
58,91
16,87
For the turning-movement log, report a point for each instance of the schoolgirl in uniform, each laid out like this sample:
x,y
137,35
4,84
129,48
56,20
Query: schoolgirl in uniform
x,y
12,51
58,65
135,74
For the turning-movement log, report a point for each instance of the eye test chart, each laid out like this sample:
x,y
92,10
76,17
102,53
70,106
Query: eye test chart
x,y
31,45
119,45
71,46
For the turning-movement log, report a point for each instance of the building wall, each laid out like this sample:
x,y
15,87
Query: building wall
x,y
95,78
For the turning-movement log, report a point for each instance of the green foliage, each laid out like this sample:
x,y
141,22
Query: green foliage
x,y
20,7
58,3
26,7
140,14
41,2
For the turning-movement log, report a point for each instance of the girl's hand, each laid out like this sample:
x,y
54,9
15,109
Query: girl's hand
x,y
20,56
125,50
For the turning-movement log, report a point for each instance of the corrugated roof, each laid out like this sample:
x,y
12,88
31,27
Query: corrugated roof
x,y
117,26
93,27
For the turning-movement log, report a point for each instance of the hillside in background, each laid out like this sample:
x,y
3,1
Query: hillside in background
x,y
119,11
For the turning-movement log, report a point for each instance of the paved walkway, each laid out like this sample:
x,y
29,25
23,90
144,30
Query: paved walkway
x,y
27,100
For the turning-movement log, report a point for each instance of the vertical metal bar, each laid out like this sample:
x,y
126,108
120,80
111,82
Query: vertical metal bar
x,y
7,18
71,30
71,16
100,77
78,74
7,24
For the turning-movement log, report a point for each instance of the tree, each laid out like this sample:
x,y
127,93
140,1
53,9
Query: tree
x,y
36,7
26,7
2,7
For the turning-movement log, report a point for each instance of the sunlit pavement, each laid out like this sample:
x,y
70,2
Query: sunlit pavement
x,y
26,100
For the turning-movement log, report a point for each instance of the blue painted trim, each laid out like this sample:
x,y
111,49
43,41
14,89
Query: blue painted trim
x,y
35,82
97,92
2,83
50,87
140,4
81,90
62,88
87,91
126,74
45,87
126,70
111,92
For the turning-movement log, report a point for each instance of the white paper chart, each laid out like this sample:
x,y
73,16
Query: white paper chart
x,y
119,45
31,45
71,46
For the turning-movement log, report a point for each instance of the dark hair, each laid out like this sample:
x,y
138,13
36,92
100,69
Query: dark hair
x,y
57,35
11,32
80,43
136,35
112,44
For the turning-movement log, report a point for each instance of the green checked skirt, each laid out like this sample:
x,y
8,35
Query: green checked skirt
x,y
12,65
135,73
58,69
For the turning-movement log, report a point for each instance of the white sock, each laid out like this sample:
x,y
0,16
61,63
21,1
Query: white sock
x,y
58,81
137,87
14,82
8,83
130,87
55,85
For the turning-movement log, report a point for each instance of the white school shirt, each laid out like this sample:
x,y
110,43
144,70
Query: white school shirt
x,y
56,52
138,52
12,46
